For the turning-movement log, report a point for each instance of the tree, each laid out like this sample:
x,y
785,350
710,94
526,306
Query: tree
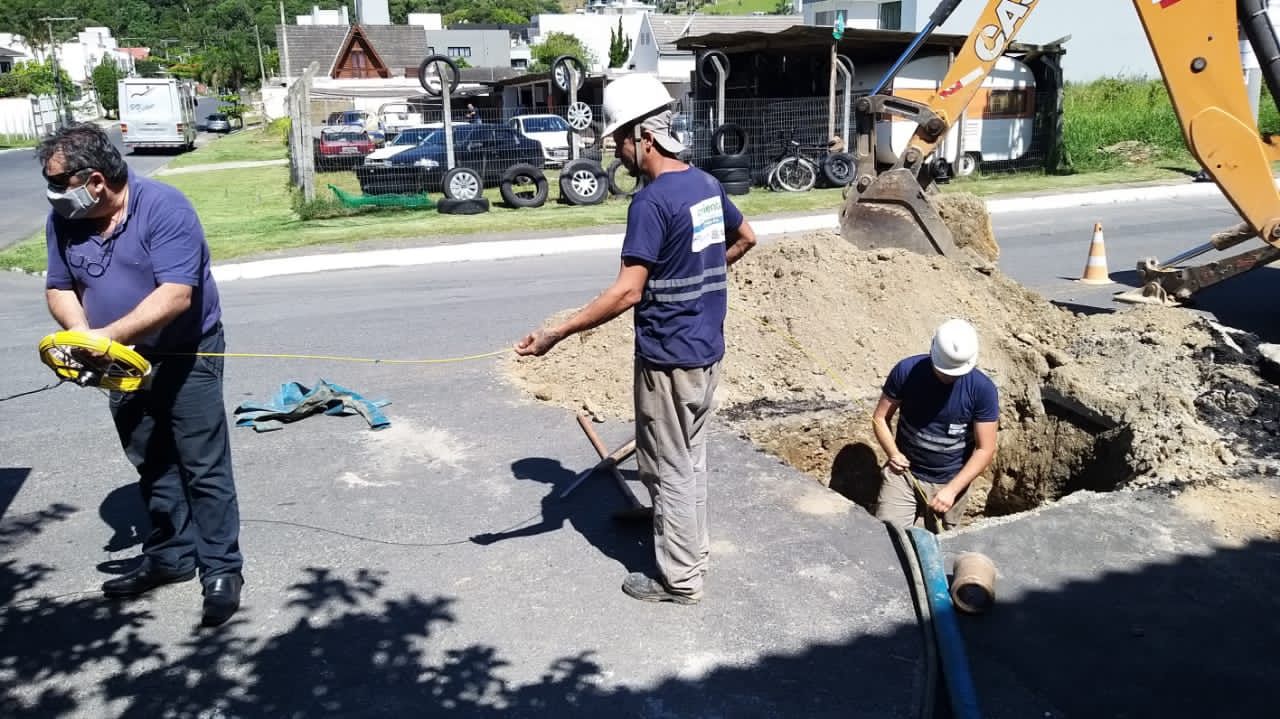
x,y
233,107
557,44
147,68
782,7
619,46
105,76
33,78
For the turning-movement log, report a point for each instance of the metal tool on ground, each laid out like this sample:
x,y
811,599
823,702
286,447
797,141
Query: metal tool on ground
x,y
616,457
585,422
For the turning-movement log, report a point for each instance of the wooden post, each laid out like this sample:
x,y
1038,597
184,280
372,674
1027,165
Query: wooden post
x,y
831,96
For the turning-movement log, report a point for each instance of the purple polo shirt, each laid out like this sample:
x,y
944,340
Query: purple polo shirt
x,y
160,241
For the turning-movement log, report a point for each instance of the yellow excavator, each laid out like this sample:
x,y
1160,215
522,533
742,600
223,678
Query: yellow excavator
x,y
1196,44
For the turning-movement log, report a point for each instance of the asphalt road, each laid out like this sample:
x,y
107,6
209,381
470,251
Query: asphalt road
x,y
23,205
365,597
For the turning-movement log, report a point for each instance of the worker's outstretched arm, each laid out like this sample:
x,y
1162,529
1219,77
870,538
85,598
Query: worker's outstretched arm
x,y
625,292
984,452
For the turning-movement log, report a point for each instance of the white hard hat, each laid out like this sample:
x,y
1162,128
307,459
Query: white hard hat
x,y
632,97
955,348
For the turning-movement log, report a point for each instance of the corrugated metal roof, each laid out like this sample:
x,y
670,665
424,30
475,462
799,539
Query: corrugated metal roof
x,y
667,29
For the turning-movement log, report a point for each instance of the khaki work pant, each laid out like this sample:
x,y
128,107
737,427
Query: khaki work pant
x,y
673,409
900,503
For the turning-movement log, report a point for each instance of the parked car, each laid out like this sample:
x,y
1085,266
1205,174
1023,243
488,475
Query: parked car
x,y
488,149
342,147
552,131
357,118
408,137
217,122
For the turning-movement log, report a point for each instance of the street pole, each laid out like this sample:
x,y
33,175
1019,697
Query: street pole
x,y
262,69
57,69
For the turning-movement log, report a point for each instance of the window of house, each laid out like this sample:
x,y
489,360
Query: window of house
x,y
6,66
891,16
459,52
825,17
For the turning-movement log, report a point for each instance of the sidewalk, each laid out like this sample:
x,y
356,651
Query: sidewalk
x,y
514,245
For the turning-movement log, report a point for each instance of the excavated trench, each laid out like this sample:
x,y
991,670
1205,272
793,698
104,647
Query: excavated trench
x,y
1055,452
1139,397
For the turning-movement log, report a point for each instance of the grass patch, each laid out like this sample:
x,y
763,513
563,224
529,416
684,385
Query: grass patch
x,y
740,7
11,141
247,145
251,211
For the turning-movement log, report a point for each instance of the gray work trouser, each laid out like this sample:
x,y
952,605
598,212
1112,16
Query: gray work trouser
x,y
673,408
901,505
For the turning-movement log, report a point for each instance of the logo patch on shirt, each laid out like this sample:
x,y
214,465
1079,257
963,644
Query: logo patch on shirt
x,y
708,223
956,429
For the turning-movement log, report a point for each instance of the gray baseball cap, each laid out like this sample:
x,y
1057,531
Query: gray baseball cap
x,y
659,125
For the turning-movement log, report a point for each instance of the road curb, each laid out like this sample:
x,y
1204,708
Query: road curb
x,y
509,249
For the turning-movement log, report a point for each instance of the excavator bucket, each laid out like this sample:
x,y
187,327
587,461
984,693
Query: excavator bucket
x,y
894,211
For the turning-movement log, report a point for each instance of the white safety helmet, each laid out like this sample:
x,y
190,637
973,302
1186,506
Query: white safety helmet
x,y
632,97
955,348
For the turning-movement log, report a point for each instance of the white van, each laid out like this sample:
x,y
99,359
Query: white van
x,y
998,125
157,112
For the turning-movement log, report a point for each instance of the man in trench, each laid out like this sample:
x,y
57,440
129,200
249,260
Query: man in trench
x,y
683,232
947,412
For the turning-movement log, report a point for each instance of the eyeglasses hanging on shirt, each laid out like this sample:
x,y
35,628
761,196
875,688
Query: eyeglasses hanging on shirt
x,y
91,267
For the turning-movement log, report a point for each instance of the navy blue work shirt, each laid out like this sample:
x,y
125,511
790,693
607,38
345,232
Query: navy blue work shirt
x,y
159,241
677,226
936,419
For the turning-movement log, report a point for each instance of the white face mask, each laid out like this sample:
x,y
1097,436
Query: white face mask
x,y
74,203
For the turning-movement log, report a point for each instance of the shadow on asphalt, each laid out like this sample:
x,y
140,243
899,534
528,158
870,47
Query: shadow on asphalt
x,y
1194,637
629,544
125,513
11,479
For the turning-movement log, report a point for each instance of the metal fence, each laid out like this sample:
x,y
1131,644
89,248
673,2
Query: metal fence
x,y
336,143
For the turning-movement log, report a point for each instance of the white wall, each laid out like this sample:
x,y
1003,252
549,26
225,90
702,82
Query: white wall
x,y
1106,36
593,30
429,20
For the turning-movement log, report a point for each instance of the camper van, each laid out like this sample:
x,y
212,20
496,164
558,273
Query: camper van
x,y
997,126
157,112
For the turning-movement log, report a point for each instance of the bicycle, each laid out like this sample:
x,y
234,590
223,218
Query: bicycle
x,y
799,167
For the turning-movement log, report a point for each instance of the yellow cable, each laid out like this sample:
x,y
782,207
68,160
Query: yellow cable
x,y
343,358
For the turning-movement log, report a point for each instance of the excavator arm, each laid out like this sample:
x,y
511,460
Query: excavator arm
x,y
1195,45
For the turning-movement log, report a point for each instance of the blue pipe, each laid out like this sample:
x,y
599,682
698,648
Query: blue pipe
x,y
955,665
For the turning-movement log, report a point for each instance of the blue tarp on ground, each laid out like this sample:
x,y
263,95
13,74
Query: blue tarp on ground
x,y
294,401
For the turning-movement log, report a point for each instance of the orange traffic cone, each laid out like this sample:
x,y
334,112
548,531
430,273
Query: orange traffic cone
x,y
1095,270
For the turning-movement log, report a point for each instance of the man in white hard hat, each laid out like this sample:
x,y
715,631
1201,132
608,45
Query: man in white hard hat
x,y
947,412
682,234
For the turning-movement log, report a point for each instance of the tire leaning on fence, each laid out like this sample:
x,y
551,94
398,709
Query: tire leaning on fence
x,y
623,187
838,169
523,185
584,182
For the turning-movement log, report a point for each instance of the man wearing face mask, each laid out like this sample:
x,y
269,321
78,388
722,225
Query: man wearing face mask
x,y
682,234
128,261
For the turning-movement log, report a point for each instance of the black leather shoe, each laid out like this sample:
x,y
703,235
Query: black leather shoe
x,y
221,598
142,580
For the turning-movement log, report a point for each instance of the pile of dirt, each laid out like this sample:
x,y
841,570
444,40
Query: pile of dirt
x,y
965,214
815,325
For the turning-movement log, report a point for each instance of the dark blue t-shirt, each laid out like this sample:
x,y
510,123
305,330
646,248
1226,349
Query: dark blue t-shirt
x,y
676,226
159,241
935,419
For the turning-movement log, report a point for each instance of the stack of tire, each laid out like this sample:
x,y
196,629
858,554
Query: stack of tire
x,y
582,181
730,163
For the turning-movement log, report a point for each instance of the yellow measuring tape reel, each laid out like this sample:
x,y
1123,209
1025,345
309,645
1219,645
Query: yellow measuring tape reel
x,y
91,361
